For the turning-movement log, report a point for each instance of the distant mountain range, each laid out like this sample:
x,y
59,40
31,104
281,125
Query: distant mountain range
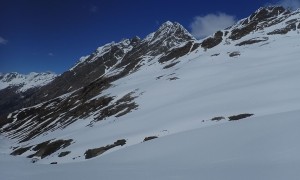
x,y
23,82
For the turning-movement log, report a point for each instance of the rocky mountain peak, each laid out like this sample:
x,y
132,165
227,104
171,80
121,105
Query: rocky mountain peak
x,y
261,19
264,13
168,36
175,29
135,40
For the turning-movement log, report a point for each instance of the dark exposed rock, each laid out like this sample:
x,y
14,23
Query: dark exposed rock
x,y
90,153
120,142
159,77
47,148
10,100
218,118
285,30
173,78
20,151
240,116
34,160
234,54
177,52
212,41
41,145
264,17
62,154
53,147
252,41
241,32
121,107
268,12
292,21
53,163
150,138
215,54
195,46
170,65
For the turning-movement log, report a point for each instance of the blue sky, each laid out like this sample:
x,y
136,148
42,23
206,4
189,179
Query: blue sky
x,y
51,35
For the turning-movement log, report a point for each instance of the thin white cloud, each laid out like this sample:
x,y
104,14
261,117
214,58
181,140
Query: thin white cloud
x,y
3,41
50,54
292,4
203,26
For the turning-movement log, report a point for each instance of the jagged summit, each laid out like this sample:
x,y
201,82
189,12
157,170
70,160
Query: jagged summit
x,y
168,35
272,8
264,13
169,28
264,18
168,25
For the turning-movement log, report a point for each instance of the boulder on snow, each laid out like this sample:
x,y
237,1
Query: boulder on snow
x,y
240,116
149,138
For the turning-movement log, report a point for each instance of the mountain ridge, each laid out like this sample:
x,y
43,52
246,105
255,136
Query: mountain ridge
x,y
16,79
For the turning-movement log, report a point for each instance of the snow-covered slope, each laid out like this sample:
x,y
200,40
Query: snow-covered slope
x,y
258,148
25,82
189,94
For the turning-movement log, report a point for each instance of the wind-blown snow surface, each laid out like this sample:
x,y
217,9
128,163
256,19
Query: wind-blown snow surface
x,y
260,148
263,80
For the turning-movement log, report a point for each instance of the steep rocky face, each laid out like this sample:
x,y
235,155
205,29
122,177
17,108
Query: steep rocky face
x,y
266,20
87,70
212,41
262,18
